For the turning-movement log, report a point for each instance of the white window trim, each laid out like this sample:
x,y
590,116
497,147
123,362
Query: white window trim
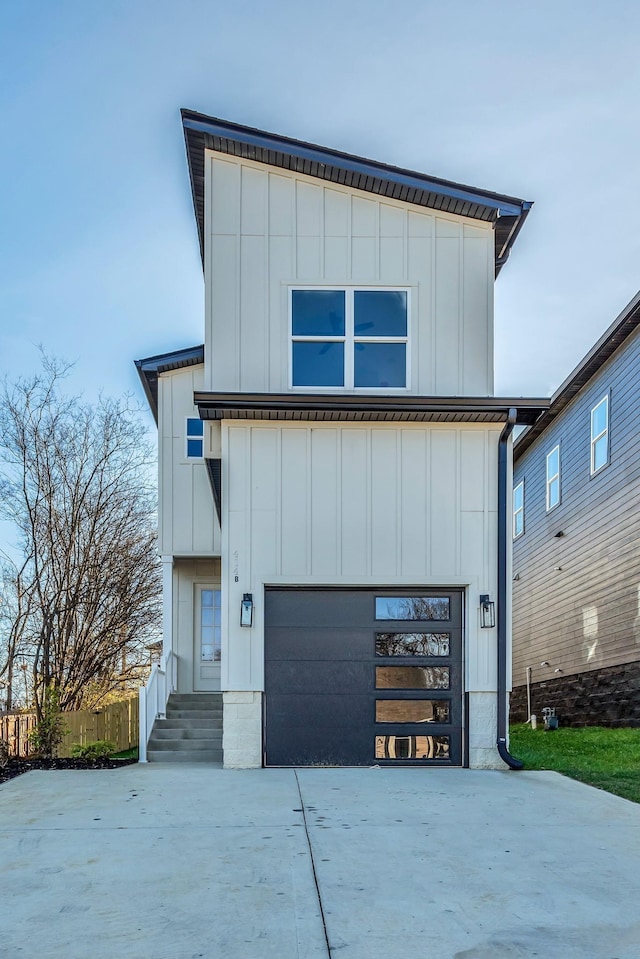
x,y
519,510
604,432
187,437
349,339
550,479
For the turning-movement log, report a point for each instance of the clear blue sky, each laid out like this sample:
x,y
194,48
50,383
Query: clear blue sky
x,y
98,247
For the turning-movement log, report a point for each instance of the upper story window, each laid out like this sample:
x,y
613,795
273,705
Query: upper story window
x,y
553,478
518,510
600,435
350,338
195,438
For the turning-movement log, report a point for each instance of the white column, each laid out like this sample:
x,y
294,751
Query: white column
x,y
167,605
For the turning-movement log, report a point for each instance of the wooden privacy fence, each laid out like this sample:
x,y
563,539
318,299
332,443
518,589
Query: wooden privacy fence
x,y
117,723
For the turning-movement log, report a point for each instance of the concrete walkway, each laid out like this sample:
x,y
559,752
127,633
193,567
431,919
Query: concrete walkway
x,y
179,862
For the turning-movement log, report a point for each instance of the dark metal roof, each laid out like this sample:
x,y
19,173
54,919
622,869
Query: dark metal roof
x,y
322,407
150,368
622,327
210,133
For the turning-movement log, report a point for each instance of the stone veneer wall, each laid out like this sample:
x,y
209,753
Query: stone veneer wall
x,y
599,697
242,730
483,732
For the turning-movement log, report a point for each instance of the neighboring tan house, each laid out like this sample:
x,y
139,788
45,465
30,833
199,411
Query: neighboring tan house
x,y
576,550
334,467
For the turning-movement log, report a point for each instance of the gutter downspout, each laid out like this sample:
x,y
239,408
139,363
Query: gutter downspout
x,y
503,463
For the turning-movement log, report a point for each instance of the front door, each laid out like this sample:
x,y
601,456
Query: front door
x,y
207,638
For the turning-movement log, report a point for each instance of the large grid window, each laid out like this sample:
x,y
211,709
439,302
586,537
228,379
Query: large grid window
x,y
518,510
349,338
553,478
600,435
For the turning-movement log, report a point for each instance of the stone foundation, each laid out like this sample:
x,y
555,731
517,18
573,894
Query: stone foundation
x,y
242,730
600,697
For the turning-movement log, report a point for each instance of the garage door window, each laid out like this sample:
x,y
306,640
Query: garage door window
x,y
421,608
412,677
412,747
412,711
413,644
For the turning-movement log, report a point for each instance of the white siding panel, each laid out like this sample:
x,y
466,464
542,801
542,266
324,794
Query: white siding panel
x,y
384,503
364,260
477,376
363,217
392,220
293,471
281,205
471,470
224,319
308,261
236,490
443,518
264,478
413,503
325,503
447,342
281,259
308,209
336,213
354,507
420,224
225,196
392,265
253,202
472,552
336,259
253,314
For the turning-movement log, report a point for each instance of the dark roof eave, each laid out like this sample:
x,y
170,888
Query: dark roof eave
x,y
200,132
152,366
359,407
611,340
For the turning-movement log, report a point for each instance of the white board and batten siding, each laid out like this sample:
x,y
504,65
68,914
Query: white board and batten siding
x,y
188,524
268,229
356,505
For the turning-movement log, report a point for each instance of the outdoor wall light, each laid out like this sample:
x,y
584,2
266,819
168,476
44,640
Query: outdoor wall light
x,y
487,612
246,610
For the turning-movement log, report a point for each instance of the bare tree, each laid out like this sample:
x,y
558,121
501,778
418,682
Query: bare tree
x,y
75,481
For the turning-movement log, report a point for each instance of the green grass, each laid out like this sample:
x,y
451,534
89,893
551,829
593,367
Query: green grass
x,y
606,758
127,754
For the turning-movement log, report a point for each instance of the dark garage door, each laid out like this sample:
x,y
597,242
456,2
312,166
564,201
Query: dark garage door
x,y
357,677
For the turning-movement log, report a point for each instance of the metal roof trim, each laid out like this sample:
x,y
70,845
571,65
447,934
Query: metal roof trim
x,y
423,190
151,367
627,321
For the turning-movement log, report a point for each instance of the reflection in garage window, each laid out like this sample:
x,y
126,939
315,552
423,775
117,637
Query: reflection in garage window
x,y
412,711
412,644
412,607
412,747
412,677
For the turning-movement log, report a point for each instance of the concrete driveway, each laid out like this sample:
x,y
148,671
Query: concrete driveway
x,y
189,861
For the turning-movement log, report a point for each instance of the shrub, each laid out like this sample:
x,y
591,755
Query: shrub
x,y
4,753
51,728
101,749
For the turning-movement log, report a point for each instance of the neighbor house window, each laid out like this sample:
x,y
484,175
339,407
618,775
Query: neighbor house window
x,y
553,478
195,438
518,510
350,338
600,435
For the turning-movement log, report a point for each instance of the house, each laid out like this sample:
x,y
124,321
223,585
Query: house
x,y
576,546
334,464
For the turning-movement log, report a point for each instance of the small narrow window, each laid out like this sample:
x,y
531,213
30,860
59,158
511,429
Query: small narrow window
x,y
195,438
518,510
553,478
600,435
210,628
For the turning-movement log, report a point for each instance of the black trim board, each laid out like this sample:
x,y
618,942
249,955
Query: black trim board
x,y
313,406
214,471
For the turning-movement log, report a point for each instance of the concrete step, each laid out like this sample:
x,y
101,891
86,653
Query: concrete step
x,y
160,731
185,756
179,742
173,713
202,700
189,722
